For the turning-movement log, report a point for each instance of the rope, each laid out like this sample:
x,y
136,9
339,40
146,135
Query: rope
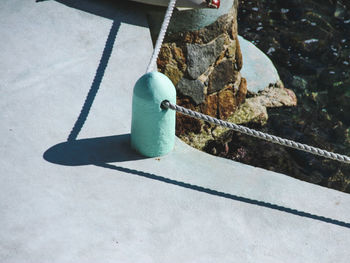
x,y
232,126
258,134
160,39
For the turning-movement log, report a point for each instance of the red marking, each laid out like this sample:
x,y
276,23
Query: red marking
x,y
213,3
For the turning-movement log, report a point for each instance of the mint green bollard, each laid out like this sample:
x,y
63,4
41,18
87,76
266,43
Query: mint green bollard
x,y
153,128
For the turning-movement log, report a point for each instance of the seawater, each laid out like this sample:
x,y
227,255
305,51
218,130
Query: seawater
x,y
309,43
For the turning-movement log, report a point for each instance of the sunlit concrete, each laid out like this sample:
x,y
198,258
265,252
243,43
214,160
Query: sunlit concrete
x,y
72,190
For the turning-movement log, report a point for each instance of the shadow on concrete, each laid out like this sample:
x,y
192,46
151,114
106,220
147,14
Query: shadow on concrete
x,y
117,8
96,83
92,151
225,195
104,150
120,12
125,11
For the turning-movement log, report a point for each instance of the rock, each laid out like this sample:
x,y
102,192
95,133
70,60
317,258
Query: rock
x,y
250,111
183,23
238,55
221,134
311,52
197,141
311,45
347,136
192,88
340,10
210,106
308,45
200,57
186,124
205,65
179,56
257,68
273,97
227,103
173,72
332,78
299,83
242,91
254,109
222,75
231,50
171,62
164,57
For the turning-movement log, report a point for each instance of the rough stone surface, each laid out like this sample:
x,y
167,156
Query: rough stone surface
x,y
179,56
172,62
204,66
186,124
227,103
299,83
225,23
173,72
273,97
222,75
165,56
210,106
192,88
238,55
242,91
231,50
200,57
207,68
250,111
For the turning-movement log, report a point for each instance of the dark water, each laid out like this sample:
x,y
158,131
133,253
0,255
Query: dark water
x,y
309,43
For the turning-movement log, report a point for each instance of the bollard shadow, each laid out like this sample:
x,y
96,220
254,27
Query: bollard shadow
x,y
115,149
103,151
92,151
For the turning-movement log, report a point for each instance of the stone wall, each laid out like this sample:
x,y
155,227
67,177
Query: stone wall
x,y
204,66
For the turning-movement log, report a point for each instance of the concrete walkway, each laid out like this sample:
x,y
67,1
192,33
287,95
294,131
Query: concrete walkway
x,y
72,190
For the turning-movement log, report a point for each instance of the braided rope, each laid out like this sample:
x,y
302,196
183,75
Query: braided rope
x,y
232,126
258,134
160,39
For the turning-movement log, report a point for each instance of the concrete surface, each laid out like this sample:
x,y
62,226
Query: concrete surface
x,y
72,190
258,69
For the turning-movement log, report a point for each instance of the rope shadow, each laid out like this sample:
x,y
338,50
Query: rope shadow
x,y
120,12
224,195
96,83
102,151
59,154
